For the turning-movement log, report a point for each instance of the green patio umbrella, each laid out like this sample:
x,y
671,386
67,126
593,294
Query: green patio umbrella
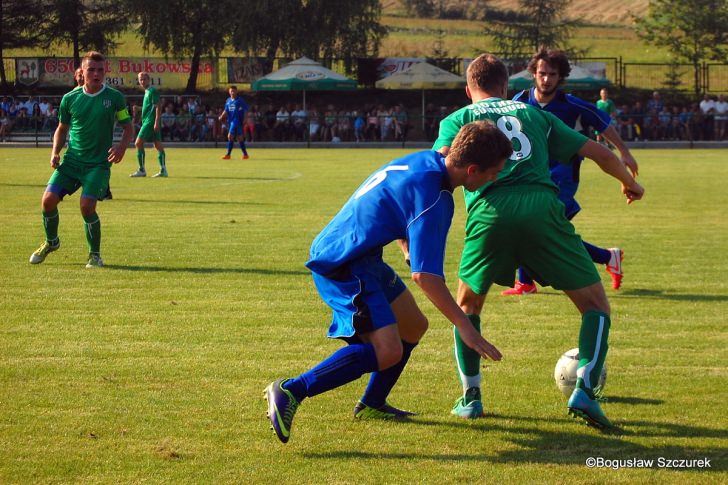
x,y
304,75
579,79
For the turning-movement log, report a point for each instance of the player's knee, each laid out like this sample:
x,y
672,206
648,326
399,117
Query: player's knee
x,y
139,144
388,354
49,202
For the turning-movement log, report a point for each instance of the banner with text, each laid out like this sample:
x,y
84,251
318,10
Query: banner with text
x,y
120,72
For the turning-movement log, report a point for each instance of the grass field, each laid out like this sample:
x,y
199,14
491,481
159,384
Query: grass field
x,y
152,369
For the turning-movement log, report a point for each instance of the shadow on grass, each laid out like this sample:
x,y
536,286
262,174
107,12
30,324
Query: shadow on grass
x,y
661,295
166,269
567,446
633,400
195,202
253,179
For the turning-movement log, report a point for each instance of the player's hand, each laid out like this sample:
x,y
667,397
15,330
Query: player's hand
x,y
633,192
116,153
631,164
156,126
475,341
55,160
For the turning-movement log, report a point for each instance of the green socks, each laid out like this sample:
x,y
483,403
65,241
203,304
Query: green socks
x,y
93,233
140,158
468,360
592,349
162,157
50,224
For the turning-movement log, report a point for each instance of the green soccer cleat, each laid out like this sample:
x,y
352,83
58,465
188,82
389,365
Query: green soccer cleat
x,y
282,407
94,261
44,250
469,406
580,405
362,411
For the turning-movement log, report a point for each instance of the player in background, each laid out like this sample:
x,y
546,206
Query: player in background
x,y
606,104
373,311
151,129
88,115
518,220
235,109
550,68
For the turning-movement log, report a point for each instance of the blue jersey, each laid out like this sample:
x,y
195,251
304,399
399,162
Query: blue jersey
x,y
409,198
236,109
568,109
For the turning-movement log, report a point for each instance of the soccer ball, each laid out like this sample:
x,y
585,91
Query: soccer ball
x,y
565,372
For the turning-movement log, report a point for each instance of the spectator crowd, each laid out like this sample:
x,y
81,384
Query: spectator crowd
x,y
188,119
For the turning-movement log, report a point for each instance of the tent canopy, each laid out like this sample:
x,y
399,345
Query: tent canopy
x,y
422,76
579,79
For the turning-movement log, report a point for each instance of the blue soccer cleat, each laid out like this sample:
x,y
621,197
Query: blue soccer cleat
x,y
282,407
582,406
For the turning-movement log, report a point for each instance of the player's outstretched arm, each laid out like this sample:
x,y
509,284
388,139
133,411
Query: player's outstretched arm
x,y
438,293
59,139
612,165
612,136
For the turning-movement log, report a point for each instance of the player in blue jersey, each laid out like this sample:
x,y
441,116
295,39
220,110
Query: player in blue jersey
x,y
234,112
373,311
550,68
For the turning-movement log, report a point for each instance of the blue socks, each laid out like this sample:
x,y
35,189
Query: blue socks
x,y
242,147
382,382
598,255
343,366
230,147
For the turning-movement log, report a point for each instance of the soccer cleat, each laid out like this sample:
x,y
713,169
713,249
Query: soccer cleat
x,y
520,289
469,406
282,407
614,267
44,250
362,411
245,157
94,261
138,173
580,405
226,157
163,173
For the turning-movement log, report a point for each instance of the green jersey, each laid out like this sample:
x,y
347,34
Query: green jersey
x,y
607,106
149,106
537,137
92,118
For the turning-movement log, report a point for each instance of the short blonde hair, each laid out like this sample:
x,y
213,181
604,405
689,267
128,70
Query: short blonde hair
x,y
480,143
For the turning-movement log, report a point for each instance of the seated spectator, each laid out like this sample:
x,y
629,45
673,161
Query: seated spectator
x,y
328,131
198,130
638,116
167,121
371,132
44,107
299,118
36,118
707,106
358,126
401,122
282,128
664,127
52,119
721,117
269,120
343,125
258,123
184,124
685,120
625,123
697,122
314,125
249,125
213,125
385,122
4,124
22,120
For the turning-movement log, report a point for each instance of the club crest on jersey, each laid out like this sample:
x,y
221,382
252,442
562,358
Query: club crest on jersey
x,y
107,103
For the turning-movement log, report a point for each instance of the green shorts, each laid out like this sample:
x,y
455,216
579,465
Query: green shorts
x,y
71,174
147,133
524,226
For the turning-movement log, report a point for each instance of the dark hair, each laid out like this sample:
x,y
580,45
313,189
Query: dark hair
x,y
480,143
554,58
487,72
233,87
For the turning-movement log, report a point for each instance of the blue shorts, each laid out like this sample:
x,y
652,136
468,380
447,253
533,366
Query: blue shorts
x,y
360,295
235,129
564,178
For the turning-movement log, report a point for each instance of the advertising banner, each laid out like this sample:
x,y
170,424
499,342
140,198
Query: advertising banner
x,y
245,69
120,72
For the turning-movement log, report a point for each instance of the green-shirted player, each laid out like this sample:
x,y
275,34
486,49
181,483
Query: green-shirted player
x,y
88,116
607,105
150,130
518,219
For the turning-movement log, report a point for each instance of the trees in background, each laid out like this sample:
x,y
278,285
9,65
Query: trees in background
x,y
19,28
694,31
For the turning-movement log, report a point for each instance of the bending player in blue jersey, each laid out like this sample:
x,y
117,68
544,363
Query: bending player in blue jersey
x,y
373,311
550,68
234,112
